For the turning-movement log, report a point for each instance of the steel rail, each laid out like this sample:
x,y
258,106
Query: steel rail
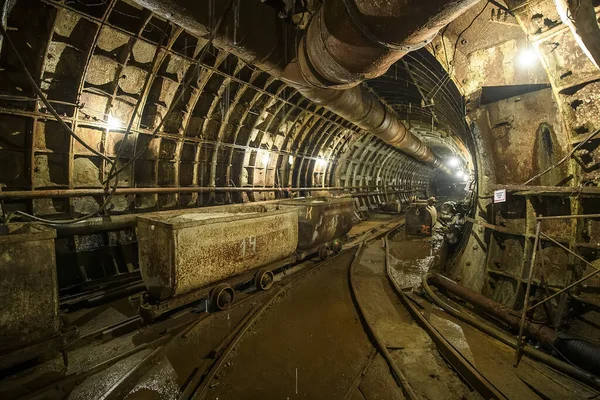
x,y
200,391
357,381
510,340
397,373
178,327
461,365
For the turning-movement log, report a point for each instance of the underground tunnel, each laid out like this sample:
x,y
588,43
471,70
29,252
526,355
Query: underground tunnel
x,y
284,199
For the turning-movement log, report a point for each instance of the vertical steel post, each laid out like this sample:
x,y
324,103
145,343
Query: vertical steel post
x,y
526,300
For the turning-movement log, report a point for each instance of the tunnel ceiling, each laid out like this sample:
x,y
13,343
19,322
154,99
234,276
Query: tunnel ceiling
x,y
422,94
235,131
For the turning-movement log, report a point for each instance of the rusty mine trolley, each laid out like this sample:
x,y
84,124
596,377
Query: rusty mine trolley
x,y
189,255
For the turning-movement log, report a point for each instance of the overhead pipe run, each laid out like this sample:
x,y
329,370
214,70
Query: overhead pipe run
x,y
349,41
367,112
346,42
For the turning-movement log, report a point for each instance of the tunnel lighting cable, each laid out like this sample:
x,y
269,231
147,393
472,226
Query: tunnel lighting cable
x,y
565,158
463,31
108,199
115,174
42,97
197,67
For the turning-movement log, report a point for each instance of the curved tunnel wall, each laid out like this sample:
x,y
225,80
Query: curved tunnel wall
x,y
236,126
525,119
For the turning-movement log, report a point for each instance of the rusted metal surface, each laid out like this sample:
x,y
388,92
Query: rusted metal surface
x,y
321,220
356,105
183,251
497,310
367,112
420,220
237,126
255,33
29,287
464,366
526,124
581,18
348,41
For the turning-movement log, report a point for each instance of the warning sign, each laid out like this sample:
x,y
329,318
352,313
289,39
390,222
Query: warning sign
x,y
500,196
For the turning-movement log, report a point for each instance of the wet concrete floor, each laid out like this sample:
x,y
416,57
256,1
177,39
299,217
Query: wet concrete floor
x,y
309,345
410,346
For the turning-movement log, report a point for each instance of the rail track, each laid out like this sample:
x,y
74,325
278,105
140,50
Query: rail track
x,y
198,383
159,336
467,372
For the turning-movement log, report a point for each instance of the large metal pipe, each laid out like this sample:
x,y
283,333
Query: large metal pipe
x,y
345,43
496,310
349,41
578,351
362,108
252,31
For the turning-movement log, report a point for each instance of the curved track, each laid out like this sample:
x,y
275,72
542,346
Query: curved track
x,y
410,346
155,341
340,360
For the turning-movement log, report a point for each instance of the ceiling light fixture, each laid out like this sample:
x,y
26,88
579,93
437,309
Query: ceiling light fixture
x,y
265,158
527,57
453,162
113,122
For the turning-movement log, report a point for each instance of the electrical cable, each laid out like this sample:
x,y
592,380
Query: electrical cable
x,y
108,199
197,67
133,117
113,173
47,103
462,32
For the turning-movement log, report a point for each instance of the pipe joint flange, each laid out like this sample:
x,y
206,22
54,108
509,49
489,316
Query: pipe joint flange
x,y
387,122
319,51
398,140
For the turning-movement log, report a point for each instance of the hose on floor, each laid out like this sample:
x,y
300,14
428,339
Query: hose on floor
x,y
503,337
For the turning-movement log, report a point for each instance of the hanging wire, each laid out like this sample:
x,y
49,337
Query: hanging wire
x,y
107,201
462,33
114,173
102,3
194,75
42,97
565,158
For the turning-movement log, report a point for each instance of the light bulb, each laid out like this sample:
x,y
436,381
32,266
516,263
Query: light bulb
x,y
113,122
265,158
527,57
452,162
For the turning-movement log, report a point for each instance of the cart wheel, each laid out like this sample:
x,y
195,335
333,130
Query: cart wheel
x,y
337,246
222,297
263,280
323,252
